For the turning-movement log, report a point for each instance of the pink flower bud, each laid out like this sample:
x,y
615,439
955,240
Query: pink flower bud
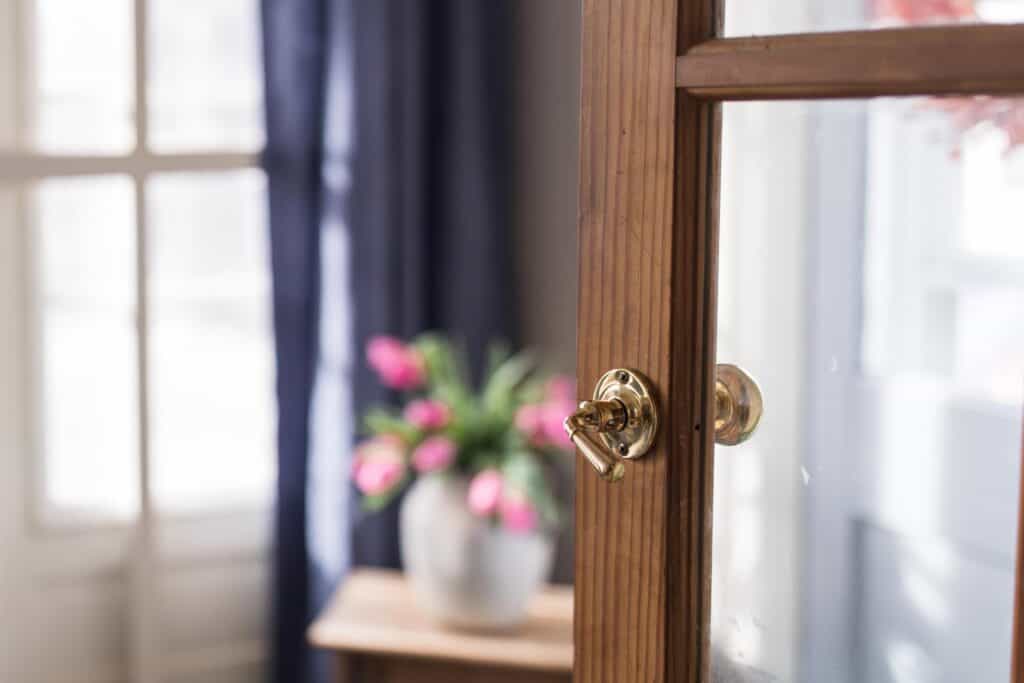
x,y
378,464
518,514
530,421
553,416
379,476
434,454
918,11
427,414
485,492
560,388
398,365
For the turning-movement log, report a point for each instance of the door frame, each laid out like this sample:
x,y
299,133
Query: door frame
x,y
653,76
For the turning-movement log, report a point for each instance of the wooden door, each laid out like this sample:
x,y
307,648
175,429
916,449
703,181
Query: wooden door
x,y
656,78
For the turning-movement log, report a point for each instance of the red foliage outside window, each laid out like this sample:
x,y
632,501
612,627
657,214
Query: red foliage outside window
x,y
923,11
965,113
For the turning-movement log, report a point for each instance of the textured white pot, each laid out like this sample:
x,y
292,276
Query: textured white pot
x,y
465,571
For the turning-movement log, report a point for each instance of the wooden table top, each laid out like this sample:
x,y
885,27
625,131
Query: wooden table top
x,y
374,612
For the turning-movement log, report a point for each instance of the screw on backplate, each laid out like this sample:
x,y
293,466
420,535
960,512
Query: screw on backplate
x,y
623,377
623,449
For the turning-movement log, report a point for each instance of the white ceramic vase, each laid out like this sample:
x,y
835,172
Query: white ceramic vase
x,y
465,571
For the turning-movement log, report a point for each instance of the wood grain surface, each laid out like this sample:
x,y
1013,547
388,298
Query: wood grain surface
x,y
653,75
905,61
377,669
644,237
375,612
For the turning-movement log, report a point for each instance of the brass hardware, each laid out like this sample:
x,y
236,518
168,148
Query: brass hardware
x,y
618,424
622,419
738,405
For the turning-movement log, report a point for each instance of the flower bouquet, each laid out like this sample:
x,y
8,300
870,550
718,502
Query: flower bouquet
x,y
478,519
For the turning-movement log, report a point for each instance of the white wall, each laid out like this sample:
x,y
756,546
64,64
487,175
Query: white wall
x,y
547,64
547,158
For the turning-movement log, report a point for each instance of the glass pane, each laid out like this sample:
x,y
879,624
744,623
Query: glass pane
x,y
8,76
79,93
212,368
872,280
205,85
756,17
85,274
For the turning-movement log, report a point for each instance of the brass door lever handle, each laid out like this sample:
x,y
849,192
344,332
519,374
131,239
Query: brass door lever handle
x,y
585,420
619,424
621,421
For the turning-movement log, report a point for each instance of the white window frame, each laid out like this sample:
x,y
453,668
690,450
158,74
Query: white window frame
x,y
140,164
152,545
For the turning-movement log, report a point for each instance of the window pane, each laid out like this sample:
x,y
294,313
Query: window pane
x,y
867,532
85,245
205,81
756,17
212,371
8,76
80,95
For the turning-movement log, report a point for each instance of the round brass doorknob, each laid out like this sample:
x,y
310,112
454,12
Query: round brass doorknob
x,y
621,421
738,405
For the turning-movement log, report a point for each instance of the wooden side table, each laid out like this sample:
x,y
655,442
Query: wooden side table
x,y
379,636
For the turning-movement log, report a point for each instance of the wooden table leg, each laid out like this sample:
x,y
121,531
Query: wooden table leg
x,y
345,666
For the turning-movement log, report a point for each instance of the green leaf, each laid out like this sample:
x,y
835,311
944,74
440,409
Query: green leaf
x,y
438,356
380,421
500,392
523,471
497,353
478,460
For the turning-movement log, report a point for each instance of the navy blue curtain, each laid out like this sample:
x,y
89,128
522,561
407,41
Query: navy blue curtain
x,y
294,69
388,165
430,212
308,54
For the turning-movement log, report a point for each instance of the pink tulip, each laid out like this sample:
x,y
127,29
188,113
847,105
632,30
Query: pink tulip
x,y
379,476
378,464
427,414
399,366
553,416
529,420
485,492
518,514
560,388
434,454
541,423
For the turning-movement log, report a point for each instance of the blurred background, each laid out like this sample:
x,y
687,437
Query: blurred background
x,y
208,206
142,156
